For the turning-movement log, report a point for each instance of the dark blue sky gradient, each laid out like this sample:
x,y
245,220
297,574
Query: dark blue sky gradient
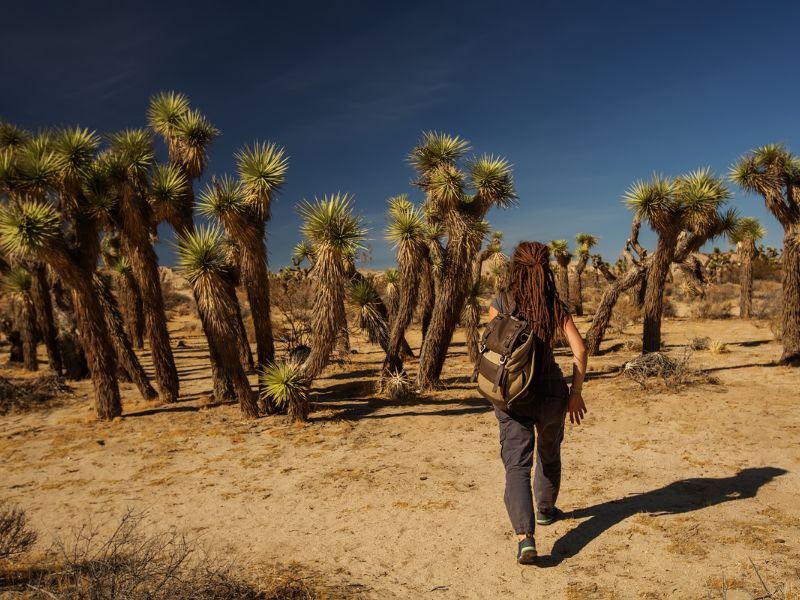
x,y
582,97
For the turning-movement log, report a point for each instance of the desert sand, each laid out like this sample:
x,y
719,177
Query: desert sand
x,y
669,494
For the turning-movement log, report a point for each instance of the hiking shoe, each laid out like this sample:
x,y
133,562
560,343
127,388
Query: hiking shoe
x,y
526,552
548,517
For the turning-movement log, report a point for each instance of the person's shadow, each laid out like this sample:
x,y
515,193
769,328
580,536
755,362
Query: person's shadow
x,y
678,497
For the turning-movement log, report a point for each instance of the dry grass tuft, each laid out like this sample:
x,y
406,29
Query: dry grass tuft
x,y
399,388
717,347
131,565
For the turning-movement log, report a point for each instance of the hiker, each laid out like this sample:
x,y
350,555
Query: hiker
x,y
530,294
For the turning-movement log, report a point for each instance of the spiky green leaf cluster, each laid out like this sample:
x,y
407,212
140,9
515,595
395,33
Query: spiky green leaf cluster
x,y
201,253
747,229
492,179
700,195
262,170
391,276
283,384
302,251
559,248
122,266
653,200
406,223
167,186
17,281
76,148
222,196
331,222
132,151
29,227
362,293
165,111
436,149
12,136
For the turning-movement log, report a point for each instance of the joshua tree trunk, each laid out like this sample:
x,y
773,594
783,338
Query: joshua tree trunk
x,y
126,357
427,297
226,364
135,237
40,294
747,253
654,295
93,331
26,321
410,275
577,286
327,312
790,313
563,280
131,307
471,319
634,275
254,274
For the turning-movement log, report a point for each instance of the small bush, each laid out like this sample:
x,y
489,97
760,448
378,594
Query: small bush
x,y
24,395
700,343
711,309
633,345
15,536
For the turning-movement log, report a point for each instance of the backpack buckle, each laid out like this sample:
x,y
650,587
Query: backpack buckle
x,y
503,359
482,348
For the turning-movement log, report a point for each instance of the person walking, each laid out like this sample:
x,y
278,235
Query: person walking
x,y
537,419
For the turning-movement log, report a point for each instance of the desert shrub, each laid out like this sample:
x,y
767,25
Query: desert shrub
x,y
674,373
132,565
15,536
23,395
711,309
625,313
292,301
669,309
700,343
767,301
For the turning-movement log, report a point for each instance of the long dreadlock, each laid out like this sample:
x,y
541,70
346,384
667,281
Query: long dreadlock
x,y
532,286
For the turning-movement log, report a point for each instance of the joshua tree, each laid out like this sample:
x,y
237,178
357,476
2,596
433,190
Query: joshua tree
x,y
407,232
585,242
748,231
774,173
560,251
335,234
128,163
18,285
201,258
34,228
689,202
43,308
459,201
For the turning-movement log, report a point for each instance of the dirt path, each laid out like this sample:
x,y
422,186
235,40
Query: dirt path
x,y
668,492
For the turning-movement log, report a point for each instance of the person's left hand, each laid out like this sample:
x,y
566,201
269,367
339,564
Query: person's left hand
x,y
576,408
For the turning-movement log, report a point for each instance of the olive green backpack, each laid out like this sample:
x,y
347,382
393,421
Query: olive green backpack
x,y
504,367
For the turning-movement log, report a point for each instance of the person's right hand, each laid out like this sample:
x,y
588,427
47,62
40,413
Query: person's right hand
x,y
576,408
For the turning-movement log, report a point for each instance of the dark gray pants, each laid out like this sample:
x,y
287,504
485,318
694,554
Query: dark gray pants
x,y
545,415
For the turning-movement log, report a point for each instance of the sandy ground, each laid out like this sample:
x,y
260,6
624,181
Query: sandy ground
x,y
670,494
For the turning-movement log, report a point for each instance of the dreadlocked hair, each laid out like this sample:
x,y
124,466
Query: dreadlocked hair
x,y
533,287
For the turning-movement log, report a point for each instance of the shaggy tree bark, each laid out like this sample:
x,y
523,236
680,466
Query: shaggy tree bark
x,y
654,295
126,357
632,277
747,253
43,305
427,295
790,312
26,322
577,285
135,237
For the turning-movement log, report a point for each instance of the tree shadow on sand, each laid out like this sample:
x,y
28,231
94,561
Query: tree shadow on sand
x,y
678,497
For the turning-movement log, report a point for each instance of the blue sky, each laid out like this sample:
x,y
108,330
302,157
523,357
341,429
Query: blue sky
x,y
582,97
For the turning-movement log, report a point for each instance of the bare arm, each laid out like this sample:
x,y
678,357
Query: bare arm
x,y
576,407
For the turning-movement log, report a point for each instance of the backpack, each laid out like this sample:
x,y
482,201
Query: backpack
x,y
504,367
